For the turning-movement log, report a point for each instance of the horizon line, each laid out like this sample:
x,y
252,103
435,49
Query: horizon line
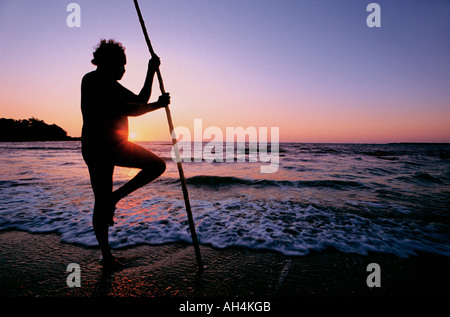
x,y
268,143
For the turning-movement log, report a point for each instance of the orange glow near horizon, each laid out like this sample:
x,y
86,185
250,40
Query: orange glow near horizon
x,y
132,136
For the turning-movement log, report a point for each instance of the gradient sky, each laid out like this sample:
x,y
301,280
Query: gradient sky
x,y
313,68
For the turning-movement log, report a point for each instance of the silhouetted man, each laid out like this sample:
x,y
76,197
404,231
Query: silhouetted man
x,y
106,106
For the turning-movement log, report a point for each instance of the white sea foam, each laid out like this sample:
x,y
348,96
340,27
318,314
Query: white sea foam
x,y
271,225
293,215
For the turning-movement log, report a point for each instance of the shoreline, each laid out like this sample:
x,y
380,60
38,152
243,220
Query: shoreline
x,y
34,265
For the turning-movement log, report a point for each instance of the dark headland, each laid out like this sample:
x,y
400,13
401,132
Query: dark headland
x,y
31,129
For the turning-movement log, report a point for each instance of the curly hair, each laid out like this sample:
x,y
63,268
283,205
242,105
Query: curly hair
x,y
108,52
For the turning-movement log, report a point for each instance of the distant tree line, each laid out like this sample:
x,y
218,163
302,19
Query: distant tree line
x,y
31,129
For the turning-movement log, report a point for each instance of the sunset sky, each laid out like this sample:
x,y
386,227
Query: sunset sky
x,y
313,68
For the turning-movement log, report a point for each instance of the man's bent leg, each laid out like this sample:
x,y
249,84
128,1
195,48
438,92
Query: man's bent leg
x,y
135,156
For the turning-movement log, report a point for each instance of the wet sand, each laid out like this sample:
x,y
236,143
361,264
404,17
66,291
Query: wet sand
x,y
34,265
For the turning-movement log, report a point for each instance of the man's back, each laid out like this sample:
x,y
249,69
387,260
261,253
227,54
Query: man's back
x,y
103,119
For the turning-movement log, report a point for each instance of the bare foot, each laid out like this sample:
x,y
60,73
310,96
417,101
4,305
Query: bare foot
x,y
110,263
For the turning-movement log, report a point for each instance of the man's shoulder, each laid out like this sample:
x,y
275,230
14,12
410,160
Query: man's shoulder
x,y
91,80
89,76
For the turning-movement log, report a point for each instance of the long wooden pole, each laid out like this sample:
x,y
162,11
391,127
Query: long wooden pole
x,y
175,146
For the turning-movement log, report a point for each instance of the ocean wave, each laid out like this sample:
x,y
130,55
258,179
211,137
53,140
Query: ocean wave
x,y
218,181
40,148
428,177
420,177
19,182
284,226
353,201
